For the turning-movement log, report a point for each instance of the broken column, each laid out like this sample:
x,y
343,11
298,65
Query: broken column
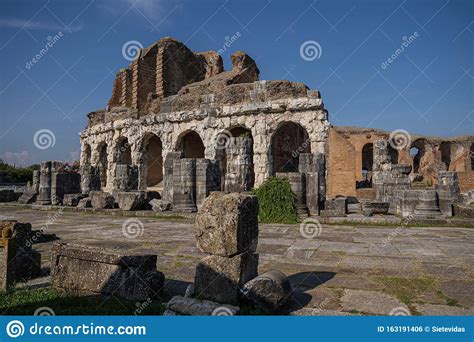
x,y
44,193
308,167
168,175
298,186
184,185
226,229
208,178
427,207
239,171
109,272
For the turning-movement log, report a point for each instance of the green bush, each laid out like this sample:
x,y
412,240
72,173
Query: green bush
x,y
13,174
277,201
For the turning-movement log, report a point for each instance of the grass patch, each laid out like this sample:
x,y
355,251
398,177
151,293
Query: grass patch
x,y
408,290
26,301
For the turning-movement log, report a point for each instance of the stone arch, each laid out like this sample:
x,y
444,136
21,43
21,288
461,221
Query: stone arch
x,y
287,142
152,160
191,144
102,163
367,160
445,149
223,140
417,150
123,151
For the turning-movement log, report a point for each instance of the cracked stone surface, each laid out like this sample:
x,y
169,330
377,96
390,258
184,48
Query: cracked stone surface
x,y
345,270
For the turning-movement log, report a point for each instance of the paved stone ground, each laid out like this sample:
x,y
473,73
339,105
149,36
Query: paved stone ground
x,y
345,270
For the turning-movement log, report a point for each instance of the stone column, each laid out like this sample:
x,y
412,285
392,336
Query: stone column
x,y
208,178
36,181
167,194
7,256
90,178
44,195
239,174
307,167
298,186
427,207
184,185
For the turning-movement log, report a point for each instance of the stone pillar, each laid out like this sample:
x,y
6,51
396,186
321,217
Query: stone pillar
x,y
44,195
308,167
320,169
298,186
126,177
7,256
239,174
90,178
208,178
168,175
36,181
448,192
227,230
184,185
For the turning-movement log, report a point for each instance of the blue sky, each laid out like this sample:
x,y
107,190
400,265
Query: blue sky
x,y
426,89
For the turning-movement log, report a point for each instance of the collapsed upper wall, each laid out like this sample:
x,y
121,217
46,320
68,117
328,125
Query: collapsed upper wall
x,y
165,67
162,69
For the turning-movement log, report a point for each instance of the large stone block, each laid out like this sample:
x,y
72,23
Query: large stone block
x,y
28,197
19,261
220,279
101,200
72,200
179,305
227,224
160,205
268,291
132,200
184,185
109,272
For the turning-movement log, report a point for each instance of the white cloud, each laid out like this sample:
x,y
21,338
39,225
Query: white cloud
x,y
152,9
16,158
37,25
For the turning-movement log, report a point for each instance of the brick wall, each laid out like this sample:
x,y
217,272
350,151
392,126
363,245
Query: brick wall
x,y
466,181
341,166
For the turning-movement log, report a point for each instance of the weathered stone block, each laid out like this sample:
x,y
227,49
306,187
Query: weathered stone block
x,y
463,211
220,278
371,208
208,178
72,200
227,224
160,205
101,200
110,272
85,203
195,307
184,185
268,291
336,207
28,197
131,200
298,186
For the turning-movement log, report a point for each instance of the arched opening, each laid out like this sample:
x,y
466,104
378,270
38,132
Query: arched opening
x,y
221,149
289,140
472,156
123,152
153,161
367,155
191,144
417,151
445,149
102,163
87,154
393,154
